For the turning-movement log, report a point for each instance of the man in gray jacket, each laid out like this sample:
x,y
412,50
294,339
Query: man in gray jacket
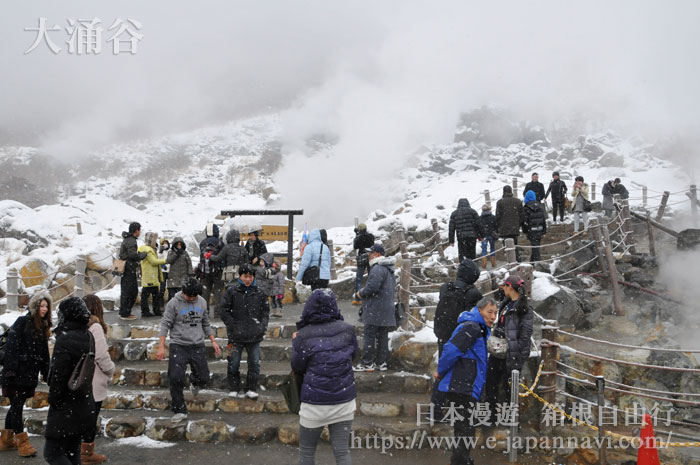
x,y
378,312
187,321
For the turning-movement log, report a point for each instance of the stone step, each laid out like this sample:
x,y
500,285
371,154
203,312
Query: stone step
x,y
375,404
253,429
155,374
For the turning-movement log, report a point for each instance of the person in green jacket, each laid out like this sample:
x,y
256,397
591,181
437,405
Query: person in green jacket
x,y
151,276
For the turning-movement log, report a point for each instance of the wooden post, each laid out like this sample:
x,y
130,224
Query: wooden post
x,y
694,203
514,403
662,207
12,290
527,273
405,286
515,187
644,196
334,272
600,384
650,229
612,272
592,192
80,266
79,227
357,222
510,251
403,245
549,348
487,196
436,239
598,238
627,226
290,247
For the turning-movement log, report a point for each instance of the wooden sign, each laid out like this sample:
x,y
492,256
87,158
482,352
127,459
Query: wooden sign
x,y
270,234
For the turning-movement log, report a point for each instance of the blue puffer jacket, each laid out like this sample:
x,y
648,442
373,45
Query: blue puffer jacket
x,y
323,351
310,257
462,367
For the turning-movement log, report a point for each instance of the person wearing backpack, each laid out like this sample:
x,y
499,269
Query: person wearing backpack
x,y
316,254
26,356
534,224
464,223
231,257
71,412
489,233
209,271
180,267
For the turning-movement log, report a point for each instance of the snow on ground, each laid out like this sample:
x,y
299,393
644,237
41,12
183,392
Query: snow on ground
x,y
143,442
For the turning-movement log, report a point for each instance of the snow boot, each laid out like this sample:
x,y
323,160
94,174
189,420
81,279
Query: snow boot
x,y
88,455
7,440
23,447
493,261
484,262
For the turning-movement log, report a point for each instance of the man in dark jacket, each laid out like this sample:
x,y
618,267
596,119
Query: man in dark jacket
x,y
464,222
514,324
535,186
620,189
558,190
129,284
489,233
363,240
509,214
208,271
461,370
455,298
534,224
245,311
180,266
255,247
231,257
378,313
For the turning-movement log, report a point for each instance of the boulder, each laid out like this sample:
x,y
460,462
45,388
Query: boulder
x,y
125,427
236,405
163,429
381,409
591,151
35,426
207,431
35,272
135,351
140,332
343,288
200,404
564,307
611,160
118,331
288,433
416,355
255,434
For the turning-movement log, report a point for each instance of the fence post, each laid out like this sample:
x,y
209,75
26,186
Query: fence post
x,y
80,265
405,286
644,196
600,384
514,402
694,203
549,347
662,206
79,228
357,222
598,238
650,229
487,196
510,251
627,225
12,290
403,245
612,272
515,187
436,237
592,191
334,272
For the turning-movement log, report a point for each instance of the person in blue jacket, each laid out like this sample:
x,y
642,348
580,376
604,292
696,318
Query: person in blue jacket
x,y
312,251
461,371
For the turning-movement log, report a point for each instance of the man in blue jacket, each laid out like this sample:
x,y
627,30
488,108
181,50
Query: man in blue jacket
x,y
461,371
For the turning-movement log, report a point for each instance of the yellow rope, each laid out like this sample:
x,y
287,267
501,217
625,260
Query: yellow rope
x,y
534,385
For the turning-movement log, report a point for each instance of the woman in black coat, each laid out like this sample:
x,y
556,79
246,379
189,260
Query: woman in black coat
x,y
71,414
26,356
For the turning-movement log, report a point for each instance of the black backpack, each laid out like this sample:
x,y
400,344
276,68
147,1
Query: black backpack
x,y
451,304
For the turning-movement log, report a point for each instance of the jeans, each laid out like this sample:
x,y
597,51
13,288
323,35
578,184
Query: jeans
x,y
558,205
92,432
515,241
577,218
14,420
360,273
376,345
340,442
535,243
234,363
64,451
129,292
212,284
180,356
485,244
146,293
466,248
463,428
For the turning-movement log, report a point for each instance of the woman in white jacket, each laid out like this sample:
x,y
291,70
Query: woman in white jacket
x,y
104,369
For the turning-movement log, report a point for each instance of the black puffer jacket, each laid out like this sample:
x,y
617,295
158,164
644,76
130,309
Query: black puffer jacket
x,y
534,220
245,311
515,318
622,191
558,190
255,248
27,351
129,251
233,253
509,214
455,298
464,222
536,187
489,228
363,240
70,413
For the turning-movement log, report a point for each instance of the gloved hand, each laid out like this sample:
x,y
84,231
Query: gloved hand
x,y
207,255
280,296
142,255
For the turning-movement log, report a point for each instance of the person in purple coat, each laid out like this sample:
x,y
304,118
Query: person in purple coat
x,y
322,352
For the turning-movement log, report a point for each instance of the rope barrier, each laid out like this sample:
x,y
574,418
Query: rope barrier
x,y
534,384
626,346
624,362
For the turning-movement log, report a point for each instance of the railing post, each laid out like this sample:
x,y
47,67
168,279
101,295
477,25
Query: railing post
x,y
510,251
334,272
592,191
13,290
644,196
627,225
79,228
403,245
514,403
662,206
612,272
436,238
549,347
515,187
694,203
600,384
487,196
80,266
598,238
405,286
650,229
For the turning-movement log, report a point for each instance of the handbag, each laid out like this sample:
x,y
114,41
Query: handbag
x,y
587,206
291,390
497,344
80,380
313,273
118,267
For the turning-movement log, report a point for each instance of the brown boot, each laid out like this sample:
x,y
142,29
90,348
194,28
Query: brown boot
x,y
493,261
7,440
24,448
484,262
88,455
